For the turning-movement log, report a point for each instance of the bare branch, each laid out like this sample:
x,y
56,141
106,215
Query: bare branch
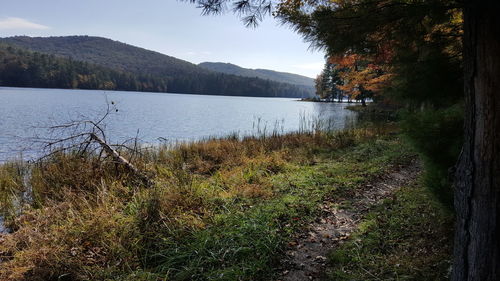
x,y
88,137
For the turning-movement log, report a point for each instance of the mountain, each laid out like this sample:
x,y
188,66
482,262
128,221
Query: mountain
x,y
24,68
283,77
179,76
106,52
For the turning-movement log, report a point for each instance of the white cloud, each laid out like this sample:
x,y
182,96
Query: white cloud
x,y
19,23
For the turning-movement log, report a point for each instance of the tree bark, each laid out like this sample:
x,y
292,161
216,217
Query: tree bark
x,y
477,182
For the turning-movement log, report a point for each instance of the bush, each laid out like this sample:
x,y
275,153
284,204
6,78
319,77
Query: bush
x,y
437,135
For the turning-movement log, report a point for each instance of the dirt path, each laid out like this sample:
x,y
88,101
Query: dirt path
x,y
306,256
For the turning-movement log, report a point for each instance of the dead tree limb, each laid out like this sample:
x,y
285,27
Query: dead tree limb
x,y
87,136
120,159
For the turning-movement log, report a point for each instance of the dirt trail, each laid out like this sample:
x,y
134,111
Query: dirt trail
x,y
306,256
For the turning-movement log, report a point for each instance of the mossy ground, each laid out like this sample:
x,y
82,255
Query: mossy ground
x,y
219,210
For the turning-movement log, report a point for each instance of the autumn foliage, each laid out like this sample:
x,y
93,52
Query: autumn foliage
x,y
360,74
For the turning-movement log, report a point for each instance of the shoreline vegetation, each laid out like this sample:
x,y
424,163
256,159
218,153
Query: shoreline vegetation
x,y
317,99
219,209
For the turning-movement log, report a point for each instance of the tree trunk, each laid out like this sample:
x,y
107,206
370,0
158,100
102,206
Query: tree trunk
x,y
477,182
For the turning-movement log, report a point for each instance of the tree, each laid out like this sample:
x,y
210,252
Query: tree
x,y
357,77
429,31
477,187
328,83
319,85
406,54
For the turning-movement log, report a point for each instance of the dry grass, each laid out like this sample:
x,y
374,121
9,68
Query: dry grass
x,y
89,220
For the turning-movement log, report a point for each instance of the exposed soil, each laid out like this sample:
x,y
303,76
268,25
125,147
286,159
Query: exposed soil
x,y
306,255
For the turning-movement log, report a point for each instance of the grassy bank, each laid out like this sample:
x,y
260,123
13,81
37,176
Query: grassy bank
x,y
219,209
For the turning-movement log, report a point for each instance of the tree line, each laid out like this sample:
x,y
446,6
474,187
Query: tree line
x,y
21,68
85,62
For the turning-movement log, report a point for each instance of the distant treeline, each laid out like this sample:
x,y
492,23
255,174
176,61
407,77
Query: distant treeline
x,y
20,68
98,67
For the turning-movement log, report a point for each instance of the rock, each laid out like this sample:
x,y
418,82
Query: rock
x,y
320,259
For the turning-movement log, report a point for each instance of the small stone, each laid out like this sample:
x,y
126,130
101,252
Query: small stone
x,y
320,259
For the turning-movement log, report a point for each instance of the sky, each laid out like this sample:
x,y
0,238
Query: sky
x,y
167,26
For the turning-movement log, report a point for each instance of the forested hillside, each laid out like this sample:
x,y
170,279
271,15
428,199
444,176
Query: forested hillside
x,y
21,68
282,77
172,74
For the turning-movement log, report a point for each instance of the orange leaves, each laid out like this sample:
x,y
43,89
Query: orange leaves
x,y
362,73
345,61
378,82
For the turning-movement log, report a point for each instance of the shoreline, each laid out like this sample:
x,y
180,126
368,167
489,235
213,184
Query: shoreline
x,y
216,206
330,101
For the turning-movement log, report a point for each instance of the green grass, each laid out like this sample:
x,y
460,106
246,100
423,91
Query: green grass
x,y
246,241
220,209
407,237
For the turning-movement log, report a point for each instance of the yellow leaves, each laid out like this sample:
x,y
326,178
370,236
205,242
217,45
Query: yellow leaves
x,y
457,18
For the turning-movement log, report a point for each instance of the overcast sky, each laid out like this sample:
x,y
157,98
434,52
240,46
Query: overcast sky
x,y
167,26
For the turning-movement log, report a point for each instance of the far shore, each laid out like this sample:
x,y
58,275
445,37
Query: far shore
x,y
330,101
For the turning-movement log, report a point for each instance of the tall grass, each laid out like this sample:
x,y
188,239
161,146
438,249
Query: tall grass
x,y
215,210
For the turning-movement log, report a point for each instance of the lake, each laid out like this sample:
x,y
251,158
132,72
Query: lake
x,y
154,117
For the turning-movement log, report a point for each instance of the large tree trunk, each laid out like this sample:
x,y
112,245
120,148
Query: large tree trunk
x,y
477,186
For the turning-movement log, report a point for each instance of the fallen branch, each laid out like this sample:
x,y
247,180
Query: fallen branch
x,y
88,137
120,159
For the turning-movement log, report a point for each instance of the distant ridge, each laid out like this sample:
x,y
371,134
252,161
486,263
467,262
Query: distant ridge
x,y
283,77
177,75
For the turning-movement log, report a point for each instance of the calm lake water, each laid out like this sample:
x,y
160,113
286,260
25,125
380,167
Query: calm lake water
x,y
157,117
